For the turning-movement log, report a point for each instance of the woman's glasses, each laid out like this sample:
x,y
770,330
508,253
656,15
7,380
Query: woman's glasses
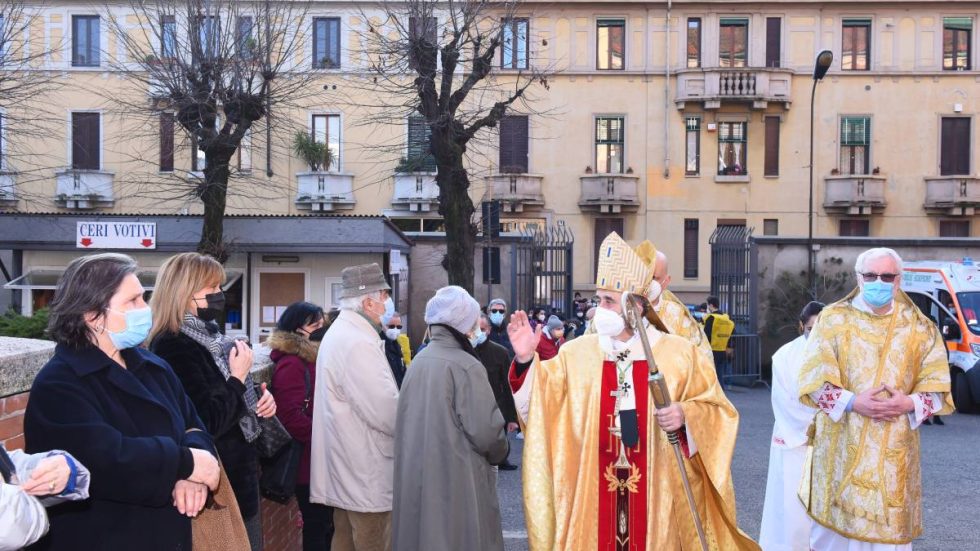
x,y
497,312
871,276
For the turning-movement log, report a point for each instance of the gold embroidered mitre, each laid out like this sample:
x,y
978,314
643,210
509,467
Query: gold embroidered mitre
x,y
648,252
620,268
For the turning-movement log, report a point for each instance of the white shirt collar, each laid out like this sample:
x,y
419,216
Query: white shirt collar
x,y
862,305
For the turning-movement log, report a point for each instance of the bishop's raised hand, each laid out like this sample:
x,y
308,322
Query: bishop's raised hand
x,y
522,337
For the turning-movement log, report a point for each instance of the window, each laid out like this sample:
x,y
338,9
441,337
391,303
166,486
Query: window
x,y
856,46
731,148
420,225
610,44
957,34
855,228
208,36
773,41
603,227
954,228
166,142
694,42
198,157
692,145
515,46
419,156
691,248
245,152
326,42
770,226
244,43
514,144
491,264
326,129
733,44
425,32
85,41
609,145
954,156
168,37
855,145
86,141
772,146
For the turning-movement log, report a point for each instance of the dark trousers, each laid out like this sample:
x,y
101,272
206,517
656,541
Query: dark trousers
x,y
317,521
723,367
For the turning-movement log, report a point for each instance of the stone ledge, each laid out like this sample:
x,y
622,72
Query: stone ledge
x,y
21,359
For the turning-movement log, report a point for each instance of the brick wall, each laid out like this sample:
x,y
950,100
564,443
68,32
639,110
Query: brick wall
x,y
12,421
282,526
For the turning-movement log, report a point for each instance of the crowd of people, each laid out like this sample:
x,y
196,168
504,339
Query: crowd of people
x,y
147,430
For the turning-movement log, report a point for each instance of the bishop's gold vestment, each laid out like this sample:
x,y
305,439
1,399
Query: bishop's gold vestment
x,y
863,480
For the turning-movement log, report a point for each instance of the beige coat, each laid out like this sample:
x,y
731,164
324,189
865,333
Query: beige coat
x,y
355,403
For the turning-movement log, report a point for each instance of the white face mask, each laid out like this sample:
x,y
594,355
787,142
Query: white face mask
x,y
654,291
608,323
392,334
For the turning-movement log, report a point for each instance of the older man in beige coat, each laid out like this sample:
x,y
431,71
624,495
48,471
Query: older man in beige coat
x,y
356,400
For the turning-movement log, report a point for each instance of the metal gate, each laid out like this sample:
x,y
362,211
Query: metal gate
x,y
542,269
733,264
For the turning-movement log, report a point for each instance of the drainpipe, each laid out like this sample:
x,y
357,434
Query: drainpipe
x,y
667,96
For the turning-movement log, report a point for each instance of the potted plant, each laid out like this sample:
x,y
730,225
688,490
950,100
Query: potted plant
x,y
317,155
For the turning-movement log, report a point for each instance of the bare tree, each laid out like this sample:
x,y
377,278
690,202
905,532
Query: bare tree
x,y
447,78
221,67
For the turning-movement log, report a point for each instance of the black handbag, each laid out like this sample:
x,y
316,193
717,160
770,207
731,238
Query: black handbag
x,y
273,437
279,472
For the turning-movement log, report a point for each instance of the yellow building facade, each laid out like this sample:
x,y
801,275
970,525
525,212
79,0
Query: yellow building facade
x,y
662,121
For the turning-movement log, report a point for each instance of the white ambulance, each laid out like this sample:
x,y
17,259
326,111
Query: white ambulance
x,y
949,293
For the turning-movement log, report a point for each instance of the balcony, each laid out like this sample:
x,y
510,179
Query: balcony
x,y
854,195
952,195
84,189
416,192
517,191
758,86
325,191
8,193
609,193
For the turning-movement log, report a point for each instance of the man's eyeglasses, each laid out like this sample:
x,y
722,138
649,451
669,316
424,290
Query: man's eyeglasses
x,y
497,311
394,327
871,276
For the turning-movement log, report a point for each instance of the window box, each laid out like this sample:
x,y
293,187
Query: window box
x,y
854,195
609,193
952,195
517,192
416,191
325,191
84,189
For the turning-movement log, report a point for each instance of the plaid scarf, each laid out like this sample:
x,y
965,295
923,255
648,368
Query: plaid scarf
x,y
208,336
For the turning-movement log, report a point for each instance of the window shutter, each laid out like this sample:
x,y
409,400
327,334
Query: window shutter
x,y
772,146
855,131
955,146
166,142
691,248
85,141
773,41
513,144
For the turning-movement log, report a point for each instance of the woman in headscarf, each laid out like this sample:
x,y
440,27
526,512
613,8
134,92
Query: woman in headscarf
x,y
448,437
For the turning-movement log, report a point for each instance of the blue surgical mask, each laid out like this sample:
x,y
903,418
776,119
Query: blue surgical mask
x,y
138,324
389,309
497,319
478,338
877,293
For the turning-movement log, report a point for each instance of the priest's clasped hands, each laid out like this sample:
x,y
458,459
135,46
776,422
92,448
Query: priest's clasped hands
x,y
883,403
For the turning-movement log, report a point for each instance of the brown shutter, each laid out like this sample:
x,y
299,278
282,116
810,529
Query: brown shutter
x,y
772,146
85,141
166,142
603,227
513,144
773,41
954,228
955,146
690,247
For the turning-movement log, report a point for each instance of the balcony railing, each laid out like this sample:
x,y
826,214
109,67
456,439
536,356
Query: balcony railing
x,y
952,195
609,193
325,191
517,192
84,189
8,190
416,191
760,86
854,195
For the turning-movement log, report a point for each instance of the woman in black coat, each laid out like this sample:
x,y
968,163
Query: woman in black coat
x,y
214,370
121,411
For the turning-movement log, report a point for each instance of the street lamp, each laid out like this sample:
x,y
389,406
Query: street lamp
x,y
820,67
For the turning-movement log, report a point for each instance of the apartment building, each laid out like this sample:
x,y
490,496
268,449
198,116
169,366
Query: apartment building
x,y
661,121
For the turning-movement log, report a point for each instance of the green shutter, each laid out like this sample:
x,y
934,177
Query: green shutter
x,y
855,131
734,21
857,22
958,23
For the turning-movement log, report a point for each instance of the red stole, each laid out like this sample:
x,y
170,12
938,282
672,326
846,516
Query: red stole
x,y
622,490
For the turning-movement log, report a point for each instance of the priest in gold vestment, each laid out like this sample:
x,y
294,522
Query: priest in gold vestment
x,y
876,368
599,473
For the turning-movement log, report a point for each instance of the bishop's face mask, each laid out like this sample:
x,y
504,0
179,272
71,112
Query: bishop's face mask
x,y
608,323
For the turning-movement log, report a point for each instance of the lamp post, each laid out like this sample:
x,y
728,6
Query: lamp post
x,y
820,67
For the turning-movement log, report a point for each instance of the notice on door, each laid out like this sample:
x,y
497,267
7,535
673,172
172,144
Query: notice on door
x,y
116,235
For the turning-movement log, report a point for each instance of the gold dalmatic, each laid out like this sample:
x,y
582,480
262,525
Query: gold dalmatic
x,y
862,478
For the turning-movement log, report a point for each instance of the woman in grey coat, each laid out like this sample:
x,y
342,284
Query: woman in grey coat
x,y
448,436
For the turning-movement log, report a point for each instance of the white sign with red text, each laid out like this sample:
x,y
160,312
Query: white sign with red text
x,y
116,235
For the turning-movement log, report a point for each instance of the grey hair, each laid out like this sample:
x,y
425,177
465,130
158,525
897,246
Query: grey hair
x,y
875,254
499,301
356,304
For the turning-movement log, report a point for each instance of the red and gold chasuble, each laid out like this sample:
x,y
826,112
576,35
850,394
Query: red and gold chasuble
x,y
623,471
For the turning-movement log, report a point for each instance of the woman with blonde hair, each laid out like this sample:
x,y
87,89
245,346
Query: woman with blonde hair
x,y
214,370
